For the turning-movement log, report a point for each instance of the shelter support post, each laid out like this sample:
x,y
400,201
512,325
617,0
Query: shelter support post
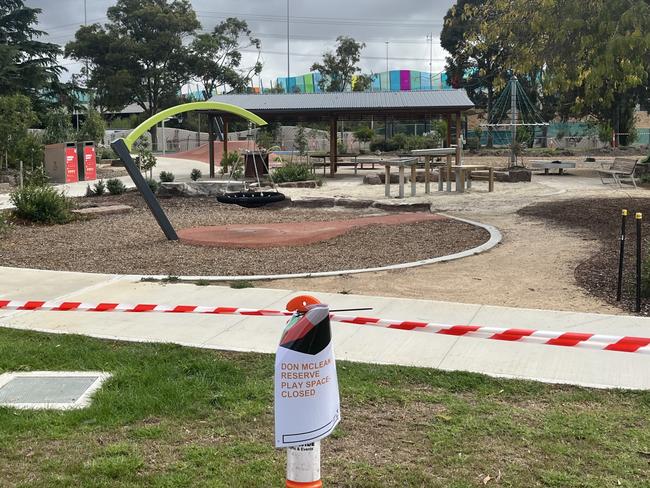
x,y
459,138
333,146
448,139
211,139
225,135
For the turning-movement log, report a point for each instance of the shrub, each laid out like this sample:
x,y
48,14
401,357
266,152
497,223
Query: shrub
x,y
41,204
473,143
115,186
232,163
99,188
166,176
106,152
93,128
4,225
364,134
36,177
145,159
153,184
300,142
196,174
292,172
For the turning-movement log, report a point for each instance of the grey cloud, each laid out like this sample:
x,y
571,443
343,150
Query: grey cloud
x,y
314,27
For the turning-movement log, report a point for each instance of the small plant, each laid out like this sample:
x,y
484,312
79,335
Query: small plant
x,y
166,176
106,152
238,285
99,188
89,191
201,282
473,143
36,177
115,186
292,172
4,225
300,142
196,174
146,161
43,204
232,164
153,184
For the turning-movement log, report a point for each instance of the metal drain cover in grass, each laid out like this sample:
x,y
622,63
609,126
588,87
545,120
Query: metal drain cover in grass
x,y
57,390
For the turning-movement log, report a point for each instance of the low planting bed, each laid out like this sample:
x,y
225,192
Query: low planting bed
x,y
132,243
600,219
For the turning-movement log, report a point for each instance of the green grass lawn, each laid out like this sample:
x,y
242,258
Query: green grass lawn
x,y
179,417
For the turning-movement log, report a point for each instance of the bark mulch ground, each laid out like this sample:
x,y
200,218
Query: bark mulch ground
x,y
133,244
601,219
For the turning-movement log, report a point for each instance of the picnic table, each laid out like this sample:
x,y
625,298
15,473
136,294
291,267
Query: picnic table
x,y
547,165
401,163
325,164
429,162
464,175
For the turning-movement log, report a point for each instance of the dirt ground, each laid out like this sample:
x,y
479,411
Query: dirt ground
x,y
524,271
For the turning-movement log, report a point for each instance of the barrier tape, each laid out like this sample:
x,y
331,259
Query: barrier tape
x,y
630,344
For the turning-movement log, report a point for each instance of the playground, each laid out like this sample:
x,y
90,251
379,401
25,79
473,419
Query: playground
x,y
435,408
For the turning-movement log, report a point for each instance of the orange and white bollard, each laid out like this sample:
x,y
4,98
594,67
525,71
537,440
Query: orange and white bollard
x,y
303,466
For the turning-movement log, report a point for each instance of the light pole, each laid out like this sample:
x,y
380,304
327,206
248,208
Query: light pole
x,y
288,61
430,39
386,55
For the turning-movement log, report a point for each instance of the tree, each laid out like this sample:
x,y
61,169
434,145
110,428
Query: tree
x,y
27,66
300,140
603,72
338,68
16,116
364,134
476,61
362,83
93,127
216,57
139,56
58,127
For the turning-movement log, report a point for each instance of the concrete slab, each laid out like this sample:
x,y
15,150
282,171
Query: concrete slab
x,y
352,342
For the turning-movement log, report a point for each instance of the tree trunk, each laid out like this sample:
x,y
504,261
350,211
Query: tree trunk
x,y
531,142
490,137
154,138
545,136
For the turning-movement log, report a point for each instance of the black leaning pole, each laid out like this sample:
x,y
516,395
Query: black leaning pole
x,y
621,257
639,217
119,146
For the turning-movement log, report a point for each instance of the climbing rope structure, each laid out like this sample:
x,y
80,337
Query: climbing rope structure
x,y
513,109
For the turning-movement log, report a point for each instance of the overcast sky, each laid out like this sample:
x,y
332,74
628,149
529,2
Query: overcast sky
x,y
314,26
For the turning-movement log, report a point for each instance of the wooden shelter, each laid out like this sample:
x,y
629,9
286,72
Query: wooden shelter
x,y
334,107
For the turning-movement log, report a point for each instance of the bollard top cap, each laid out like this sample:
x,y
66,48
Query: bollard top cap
x,y
638,216
624,212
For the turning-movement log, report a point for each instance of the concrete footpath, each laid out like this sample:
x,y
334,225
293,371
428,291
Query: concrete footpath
x,y
352,342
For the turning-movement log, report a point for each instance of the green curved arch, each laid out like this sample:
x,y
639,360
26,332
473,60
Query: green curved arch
x,y
187,107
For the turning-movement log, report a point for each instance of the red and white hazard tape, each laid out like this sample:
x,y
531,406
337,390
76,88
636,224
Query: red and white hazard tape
x,y
640,345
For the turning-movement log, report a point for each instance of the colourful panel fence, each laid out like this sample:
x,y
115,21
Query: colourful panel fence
x,y
395,80
415,80
309,83
405,80
385,81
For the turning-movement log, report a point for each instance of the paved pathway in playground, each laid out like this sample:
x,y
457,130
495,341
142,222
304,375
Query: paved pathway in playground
x,y
352,342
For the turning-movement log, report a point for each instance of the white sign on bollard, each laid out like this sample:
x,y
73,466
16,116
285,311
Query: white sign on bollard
x,y
307,406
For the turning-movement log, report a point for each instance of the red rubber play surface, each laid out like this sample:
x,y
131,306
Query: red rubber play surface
x,y
283,234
